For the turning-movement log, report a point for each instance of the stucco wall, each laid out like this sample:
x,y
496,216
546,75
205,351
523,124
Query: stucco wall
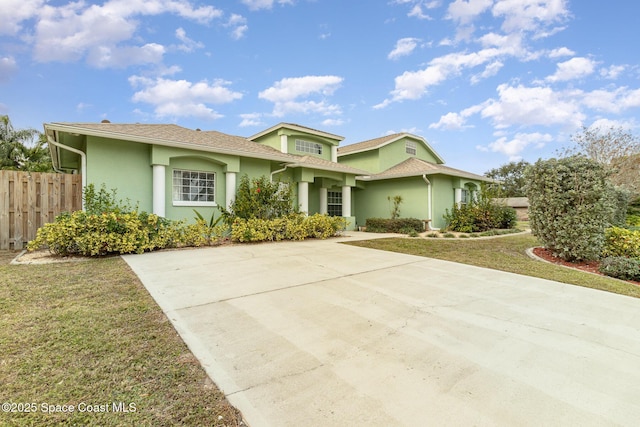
x,y
123,166
372,201
394,153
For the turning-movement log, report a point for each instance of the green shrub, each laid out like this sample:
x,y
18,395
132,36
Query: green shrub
x,y
295,226
620,242
570,205
473,217
621,268
110,232
398,225
102,201
260,198
633,220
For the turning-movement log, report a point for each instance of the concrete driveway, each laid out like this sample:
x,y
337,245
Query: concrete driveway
x,y
317,333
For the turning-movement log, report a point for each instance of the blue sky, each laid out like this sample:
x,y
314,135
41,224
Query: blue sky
x,y
484,81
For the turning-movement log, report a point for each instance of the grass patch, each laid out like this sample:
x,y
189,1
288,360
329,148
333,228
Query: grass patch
x,y
90,333
506,254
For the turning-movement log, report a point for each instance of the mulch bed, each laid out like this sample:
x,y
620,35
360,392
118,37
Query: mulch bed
x,y
588,266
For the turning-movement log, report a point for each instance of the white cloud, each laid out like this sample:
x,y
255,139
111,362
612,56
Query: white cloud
x,y
8,67
124,56
530,15
286,94
414,84
609,124
612,72
238,25
251,119
332,122
574,68
14,12
560,52
518,143
449,121
188,45
611,101
181,98
529,106
264,4
417,12
453,121
489,71
77,30
404,47
465,11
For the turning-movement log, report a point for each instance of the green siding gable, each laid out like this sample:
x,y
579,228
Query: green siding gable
x,y
273,139
365,160
376,160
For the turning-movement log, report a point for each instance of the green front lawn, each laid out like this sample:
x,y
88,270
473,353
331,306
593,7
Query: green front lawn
x,y
504,253
88,334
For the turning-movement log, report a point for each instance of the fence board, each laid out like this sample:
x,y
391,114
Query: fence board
x,y
29,200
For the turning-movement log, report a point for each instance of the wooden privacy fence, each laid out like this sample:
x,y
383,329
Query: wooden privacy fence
x,y
29,200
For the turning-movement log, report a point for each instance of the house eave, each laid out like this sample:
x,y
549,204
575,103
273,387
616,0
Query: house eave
x,y
391,141
162,142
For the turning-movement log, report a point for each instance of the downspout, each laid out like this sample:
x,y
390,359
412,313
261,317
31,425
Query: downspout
x,y
83,161
430,199
278,171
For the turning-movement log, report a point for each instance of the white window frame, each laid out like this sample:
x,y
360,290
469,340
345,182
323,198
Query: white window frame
x,y
334,199
465,196
303,146
177,187
410,147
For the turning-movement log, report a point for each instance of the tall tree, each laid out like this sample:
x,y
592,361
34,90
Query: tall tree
x,y
511,176
23,149
616,148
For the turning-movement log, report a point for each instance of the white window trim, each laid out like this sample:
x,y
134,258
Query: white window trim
x,y
303,146
411,148
189,203
195,202
333,195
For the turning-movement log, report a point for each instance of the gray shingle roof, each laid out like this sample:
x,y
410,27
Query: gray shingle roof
x,y
368,144
213,141
417,167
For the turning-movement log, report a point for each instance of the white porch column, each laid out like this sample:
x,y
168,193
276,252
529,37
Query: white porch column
x,y
334,153
284,144
159,193
458,196
303,196
323,201
346,201
230,189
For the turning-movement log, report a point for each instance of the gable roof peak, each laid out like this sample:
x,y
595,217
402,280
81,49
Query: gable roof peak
x,y
376,143
298,128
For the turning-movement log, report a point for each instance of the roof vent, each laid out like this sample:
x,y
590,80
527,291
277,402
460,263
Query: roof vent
x,y
198,130
105,121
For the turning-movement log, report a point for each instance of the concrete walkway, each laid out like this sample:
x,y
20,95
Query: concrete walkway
x,y
317,333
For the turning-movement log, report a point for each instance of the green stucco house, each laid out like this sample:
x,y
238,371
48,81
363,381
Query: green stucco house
x,y
170,170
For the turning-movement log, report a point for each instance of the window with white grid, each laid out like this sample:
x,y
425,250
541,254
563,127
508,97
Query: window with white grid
x,y
410,148
193,188
303,146
334,203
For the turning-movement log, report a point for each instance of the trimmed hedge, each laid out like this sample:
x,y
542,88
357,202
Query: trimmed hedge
x,y
110,232
398,225
620,242
82,233
621,268
291,227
